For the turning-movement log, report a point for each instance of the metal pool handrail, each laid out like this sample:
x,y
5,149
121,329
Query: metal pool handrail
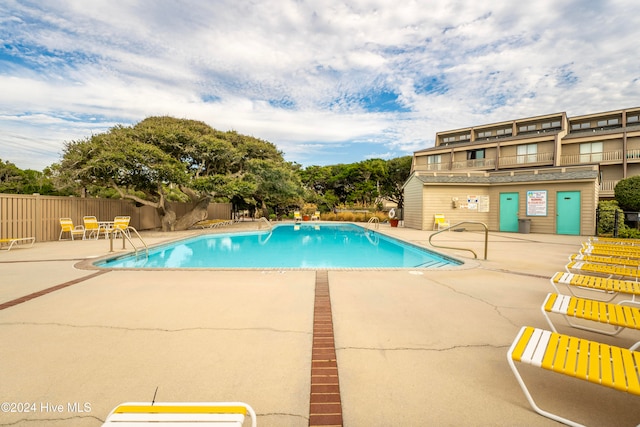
x,y
265,220
486,238
125,236
374,220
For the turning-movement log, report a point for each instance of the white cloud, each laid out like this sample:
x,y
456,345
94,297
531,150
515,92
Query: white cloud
x,y
307,75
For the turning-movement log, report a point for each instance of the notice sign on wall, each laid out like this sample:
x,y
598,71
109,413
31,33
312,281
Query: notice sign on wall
x,y
537,203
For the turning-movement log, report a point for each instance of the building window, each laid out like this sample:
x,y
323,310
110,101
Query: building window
x,y
527,153
579,126
551,125
475,154
633,119
526,128
485,134
590,152
505,131
434,162
448,139
465,137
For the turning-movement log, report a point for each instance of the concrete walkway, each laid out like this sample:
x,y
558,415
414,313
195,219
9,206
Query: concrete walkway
x,y
414,347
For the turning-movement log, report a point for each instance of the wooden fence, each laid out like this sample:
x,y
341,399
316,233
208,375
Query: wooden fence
x,y
39,216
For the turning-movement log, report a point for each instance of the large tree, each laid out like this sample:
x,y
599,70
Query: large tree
x,y
164,158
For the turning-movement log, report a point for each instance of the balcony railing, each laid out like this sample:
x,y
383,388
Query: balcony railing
x,y
525,159
475,164
608,186
608,156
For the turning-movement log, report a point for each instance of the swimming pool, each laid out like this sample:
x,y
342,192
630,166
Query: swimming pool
x,y
288,246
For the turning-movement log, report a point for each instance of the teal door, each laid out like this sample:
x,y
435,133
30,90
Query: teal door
x,y
509,212
568,212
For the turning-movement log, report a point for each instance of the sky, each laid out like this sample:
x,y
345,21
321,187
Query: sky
x,y
326,81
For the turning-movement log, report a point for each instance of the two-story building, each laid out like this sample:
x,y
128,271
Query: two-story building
x,y
549,171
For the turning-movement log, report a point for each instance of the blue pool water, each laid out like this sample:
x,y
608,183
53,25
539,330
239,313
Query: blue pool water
x,y
287,246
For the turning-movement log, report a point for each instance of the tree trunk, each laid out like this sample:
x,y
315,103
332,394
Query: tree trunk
x,y
198,213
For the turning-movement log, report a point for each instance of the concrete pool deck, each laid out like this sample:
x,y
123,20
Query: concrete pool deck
x,y
413,347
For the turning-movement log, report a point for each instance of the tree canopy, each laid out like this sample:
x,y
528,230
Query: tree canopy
x,y
164,158
627,193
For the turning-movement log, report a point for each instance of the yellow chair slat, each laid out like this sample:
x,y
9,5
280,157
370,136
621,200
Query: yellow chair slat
x,y
522,343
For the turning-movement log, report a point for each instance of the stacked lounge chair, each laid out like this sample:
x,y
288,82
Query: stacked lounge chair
x,y
608,365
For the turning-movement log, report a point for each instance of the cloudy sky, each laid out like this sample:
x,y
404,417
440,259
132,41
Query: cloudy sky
x,y
326,81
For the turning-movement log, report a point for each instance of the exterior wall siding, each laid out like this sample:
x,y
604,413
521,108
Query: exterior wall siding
x,y
437,199
413,204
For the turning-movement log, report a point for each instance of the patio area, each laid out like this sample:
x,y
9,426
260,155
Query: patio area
x,y
414,347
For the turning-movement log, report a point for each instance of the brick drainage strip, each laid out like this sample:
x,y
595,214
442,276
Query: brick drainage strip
x,y
325,407
48,290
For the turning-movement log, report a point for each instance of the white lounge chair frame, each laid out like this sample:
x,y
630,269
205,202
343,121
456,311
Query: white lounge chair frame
x,y
187,414
615,315
16,241
600,288
602,364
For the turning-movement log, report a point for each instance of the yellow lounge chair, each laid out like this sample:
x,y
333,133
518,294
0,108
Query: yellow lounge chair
x,y
67,226
618,316
315,216
611,250
17,241
603,259
614,241
439,222
91,227
120,224
610,366
296,216
223,414
605,289
609,271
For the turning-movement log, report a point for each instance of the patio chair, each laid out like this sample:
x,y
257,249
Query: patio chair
x,y
66,225
181,414
604,259
296,216
609,366
599,288
17,241
121,223
440,222
91,227
315,216
623,251
609,271
618,316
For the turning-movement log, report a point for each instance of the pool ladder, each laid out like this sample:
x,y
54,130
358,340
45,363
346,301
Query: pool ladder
x,y
486,238
126,235
266,221
375,221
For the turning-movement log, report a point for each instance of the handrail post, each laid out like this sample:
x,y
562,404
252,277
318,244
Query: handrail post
x,y
486,238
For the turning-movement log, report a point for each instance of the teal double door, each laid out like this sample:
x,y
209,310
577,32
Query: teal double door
x,y
567,212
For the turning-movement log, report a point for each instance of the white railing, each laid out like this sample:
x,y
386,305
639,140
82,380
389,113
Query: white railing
x,y
524,159
608,185
608,156
475,164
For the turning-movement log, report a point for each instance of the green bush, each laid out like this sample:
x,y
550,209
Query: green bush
x,y
627,193
606,219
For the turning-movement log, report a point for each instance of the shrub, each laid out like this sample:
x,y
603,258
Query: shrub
x,y
627,193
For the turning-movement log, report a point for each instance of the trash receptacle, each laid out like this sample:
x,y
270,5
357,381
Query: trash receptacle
x,y
524,226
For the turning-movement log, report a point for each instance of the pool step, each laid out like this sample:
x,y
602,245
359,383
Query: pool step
x,y
435,264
